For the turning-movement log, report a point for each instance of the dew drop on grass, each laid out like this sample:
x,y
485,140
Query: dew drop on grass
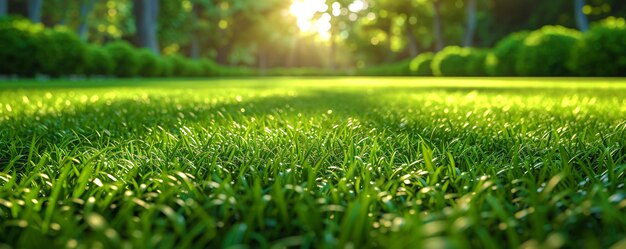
x,y
72,243
96,222
97,182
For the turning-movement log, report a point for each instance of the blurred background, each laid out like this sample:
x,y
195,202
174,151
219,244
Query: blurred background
x,y
323,34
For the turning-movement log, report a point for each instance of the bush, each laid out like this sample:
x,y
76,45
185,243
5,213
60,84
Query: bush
x,y
235,71
178,64
502,58
208,68
63,53
546,52
301,72
166,68
602,50
193,68
148,63
126,61
97,62
29,49
20,43
421,65
476,62
391,69
451,61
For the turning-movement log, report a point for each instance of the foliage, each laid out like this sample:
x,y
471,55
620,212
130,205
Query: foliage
x,y
602,50
61,53
302,72
127,61
97,62
421,65
149,65
476,63
20,44
502,59
193,69
166,67
546,52
319,163
391,69
451,61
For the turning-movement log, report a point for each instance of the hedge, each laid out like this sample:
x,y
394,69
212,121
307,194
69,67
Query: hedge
x,y
602,50
546,52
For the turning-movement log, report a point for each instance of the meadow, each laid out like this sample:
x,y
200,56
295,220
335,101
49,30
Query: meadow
x,y
313,163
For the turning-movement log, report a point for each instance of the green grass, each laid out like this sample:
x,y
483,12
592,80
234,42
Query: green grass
x,y
348,163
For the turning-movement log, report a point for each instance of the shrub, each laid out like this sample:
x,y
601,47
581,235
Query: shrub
x,y
502,58
476,62
546,52
20,43
178,64
391,69
451,61
97,62
302,71
193,68
602,50
126,62
208,68
420,65
166,68
62,52
148,63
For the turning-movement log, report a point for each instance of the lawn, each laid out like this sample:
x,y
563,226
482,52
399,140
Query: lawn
x,y
289,162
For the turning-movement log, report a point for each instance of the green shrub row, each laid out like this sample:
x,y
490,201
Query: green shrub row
x,y
549,51
28,49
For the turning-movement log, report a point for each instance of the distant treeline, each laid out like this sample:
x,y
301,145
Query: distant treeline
x,y
330,34
28,50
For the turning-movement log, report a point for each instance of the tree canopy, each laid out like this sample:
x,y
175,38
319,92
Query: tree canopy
x,y
307,33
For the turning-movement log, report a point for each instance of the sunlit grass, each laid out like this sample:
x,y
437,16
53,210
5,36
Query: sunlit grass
x,y
360,162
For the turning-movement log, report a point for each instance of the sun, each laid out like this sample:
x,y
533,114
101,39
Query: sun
x,y
305,12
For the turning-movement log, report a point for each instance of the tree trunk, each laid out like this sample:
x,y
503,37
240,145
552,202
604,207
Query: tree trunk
x,y
262,54
146,12
4,7
470,29
85,8
581,18
332,50
194,49
291,58
34,10
437,26
223,53
411,42
390,53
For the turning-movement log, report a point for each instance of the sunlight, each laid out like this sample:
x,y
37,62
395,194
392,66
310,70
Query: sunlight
x,y
305,12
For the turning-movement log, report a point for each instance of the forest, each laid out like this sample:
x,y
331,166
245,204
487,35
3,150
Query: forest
x,y
313,124
323,34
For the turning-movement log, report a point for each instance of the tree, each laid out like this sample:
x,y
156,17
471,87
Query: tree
x,y
581,18
438,25
196,13
34,10
470,28
4,8
85,8
146,14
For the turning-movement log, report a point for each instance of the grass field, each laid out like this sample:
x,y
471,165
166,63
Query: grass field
x,y
331,163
